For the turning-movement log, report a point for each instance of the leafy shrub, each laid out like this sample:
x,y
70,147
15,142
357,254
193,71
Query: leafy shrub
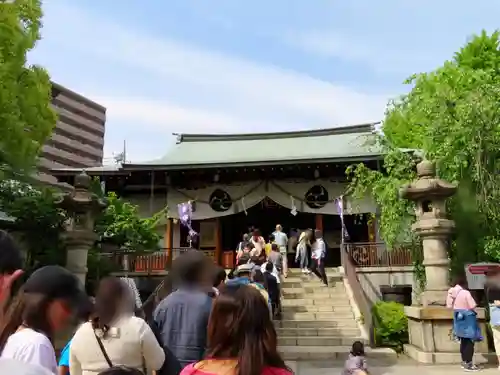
x,y
391,325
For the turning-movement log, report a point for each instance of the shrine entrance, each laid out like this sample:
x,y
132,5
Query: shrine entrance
x,y
264,216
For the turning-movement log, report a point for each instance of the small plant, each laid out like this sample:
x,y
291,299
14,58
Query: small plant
x,y
391,325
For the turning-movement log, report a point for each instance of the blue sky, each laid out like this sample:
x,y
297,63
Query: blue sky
x,y
198,66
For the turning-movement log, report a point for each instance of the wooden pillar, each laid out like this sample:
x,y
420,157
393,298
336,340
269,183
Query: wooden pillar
x,y
218,240
168,240
319,222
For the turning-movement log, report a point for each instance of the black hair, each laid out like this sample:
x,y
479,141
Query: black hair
x,y
258,277
255,260
11,258
358,349
269,267
271,237
191,267
244,259
460,279
121,370
274,247
220,276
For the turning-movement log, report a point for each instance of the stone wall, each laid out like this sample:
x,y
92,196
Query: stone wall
x,y
372,278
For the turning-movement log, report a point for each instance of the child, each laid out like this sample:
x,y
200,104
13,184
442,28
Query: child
x,y
356,363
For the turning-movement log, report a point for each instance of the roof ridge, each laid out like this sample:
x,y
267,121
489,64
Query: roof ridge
x,y
351,129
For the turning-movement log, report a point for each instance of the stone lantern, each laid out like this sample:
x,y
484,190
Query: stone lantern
x,y
430,325
82,207
433,227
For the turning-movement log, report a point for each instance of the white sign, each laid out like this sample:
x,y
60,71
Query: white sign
x,y
476,274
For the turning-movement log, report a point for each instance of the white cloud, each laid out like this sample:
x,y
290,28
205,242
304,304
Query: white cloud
x,y
191,89
161,114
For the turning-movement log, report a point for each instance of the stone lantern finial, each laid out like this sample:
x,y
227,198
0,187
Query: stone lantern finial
x,y
82,181
426,168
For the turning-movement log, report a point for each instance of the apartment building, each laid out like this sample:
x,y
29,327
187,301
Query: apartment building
x,y
78,138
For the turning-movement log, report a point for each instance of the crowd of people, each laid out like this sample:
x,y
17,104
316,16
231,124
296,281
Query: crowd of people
x,y
201,322
309,247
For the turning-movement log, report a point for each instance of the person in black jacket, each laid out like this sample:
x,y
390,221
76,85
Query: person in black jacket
x,y
273,289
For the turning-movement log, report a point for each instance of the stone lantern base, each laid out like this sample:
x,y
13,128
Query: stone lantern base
x,y
429,335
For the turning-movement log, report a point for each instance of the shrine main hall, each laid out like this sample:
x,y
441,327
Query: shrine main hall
x,y
237,181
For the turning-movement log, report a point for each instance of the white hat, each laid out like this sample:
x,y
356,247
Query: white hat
x,y
244,268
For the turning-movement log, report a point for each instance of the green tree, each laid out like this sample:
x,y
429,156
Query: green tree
x,y
122,226
452,115
37,221
26,118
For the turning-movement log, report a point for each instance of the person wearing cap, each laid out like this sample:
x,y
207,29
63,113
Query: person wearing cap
x,y
11,264
44,306
242,275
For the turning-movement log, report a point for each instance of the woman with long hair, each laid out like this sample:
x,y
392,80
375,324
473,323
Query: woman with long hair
x,y
114,336
302,256
241,337
44,306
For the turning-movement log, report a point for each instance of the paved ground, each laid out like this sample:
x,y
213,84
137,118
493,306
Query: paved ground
x,y
401,367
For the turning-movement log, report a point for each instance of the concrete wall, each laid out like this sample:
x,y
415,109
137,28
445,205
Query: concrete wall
x,y
371,278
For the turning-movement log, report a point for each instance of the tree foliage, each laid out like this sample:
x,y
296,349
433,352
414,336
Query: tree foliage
x,y
121,225
452,115
40,224
37,221
26,118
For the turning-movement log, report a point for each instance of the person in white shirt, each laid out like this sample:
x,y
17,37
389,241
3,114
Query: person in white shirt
x,y
318,249
44,306
281,239
114,337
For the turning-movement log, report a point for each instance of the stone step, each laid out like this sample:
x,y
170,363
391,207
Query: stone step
x,y
328,270
323,316
313,290
311,284
316,302
317,324
318,340
317,309
324,295
315,332
323,353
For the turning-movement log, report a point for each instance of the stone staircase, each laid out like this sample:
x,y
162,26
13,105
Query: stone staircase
x,y
318,322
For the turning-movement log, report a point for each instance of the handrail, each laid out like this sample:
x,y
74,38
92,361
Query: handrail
x,y
145,262
357,290
376,254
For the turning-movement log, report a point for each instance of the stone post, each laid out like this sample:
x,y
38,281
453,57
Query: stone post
x,y
430,325
82,207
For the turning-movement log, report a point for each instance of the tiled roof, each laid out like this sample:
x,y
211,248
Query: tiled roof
x,y
199,150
